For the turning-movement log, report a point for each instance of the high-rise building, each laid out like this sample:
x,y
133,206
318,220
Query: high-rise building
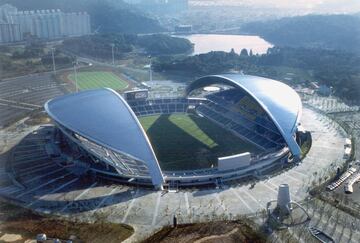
x,y
10,33
44,24
5,10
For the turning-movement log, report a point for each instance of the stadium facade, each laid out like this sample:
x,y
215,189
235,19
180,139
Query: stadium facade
x,y
101,130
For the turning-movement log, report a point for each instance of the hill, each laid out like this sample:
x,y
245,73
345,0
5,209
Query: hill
x,y
99,45
334,68
106,16
311,31
218,231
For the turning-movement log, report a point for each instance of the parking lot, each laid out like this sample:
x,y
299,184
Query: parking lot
x,y
23,95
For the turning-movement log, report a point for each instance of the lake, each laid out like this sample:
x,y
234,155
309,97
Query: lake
x,y
207,42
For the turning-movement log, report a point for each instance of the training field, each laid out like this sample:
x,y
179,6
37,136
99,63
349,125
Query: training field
x,y
95,80
188,142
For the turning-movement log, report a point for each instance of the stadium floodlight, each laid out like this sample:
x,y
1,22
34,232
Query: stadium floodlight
x,y
53,59
75,75
150,68
112,54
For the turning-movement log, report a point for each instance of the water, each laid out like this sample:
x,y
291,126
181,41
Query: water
x,y
208,42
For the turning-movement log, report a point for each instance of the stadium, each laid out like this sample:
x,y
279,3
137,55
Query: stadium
x,y
225,127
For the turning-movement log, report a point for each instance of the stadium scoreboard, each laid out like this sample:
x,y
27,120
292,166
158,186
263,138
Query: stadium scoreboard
x,y
142,94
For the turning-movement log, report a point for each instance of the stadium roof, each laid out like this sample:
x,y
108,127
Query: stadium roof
x,y
281,102
104,117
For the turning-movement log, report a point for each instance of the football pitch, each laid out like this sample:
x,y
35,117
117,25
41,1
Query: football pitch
x,y
190,142
95,80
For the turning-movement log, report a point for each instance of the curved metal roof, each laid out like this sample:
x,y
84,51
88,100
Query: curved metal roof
x,y
281,102
104,117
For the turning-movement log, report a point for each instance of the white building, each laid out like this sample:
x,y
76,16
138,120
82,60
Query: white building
x,y
10,33
45,24
5,10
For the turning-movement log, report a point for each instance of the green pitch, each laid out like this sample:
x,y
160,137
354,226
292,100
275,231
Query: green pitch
x,y
95,80
189,142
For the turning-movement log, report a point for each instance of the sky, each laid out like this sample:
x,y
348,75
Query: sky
x,y
315,5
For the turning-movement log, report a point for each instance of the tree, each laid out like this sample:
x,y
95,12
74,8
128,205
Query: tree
x,y
244,53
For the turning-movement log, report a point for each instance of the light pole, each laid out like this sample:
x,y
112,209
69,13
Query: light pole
x,y
53,59
112,54
150,69
75,75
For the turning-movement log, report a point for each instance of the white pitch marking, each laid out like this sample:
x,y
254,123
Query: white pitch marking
x,y
53,191
42,176
242,200
42,185
156,209
130,206
78,197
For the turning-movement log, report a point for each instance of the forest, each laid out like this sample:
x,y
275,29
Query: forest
x,y
333,68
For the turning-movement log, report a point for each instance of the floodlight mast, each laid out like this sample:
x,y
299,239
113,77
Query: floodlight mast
x,y
150,69
75,75
112,54
53,59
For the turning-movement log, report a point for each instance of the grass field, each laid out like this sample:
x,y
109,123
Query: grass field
x,y
95,80
188,142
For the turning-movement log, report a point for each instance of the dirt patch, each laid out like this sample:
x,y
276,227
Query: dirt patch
x,y
222,231
38,118
25,225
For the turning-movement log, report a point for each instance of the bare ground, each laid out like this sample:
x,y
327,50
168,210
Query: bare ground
x,y
25,225
221,231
